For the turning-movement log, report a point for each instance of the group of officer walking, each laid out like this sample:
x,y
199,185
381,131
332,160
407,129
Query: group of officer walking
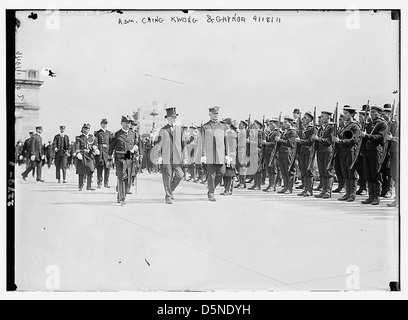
x,y
362,154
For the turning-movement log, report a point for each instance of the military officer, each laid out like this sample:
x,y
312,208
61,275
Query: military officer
x,y
305,154
103,163
85,152
214,151
61,148
36,152
287,145
386,165
270,154
124,144
347,141
324,154
373,142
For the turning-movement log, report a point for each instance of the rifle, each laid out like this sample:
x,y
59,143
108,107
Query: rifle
x,y
335,132
386,144
275,149
360,142
313,150
297,145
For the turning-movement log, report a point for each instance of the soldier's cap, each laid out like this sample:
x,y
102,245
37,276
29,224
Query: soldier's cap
x,y
273,120
227,121
126,119
31,132
377,108
364,107
244,123
62,127
171,112
327,113
38,127
387,108
193,127
288,118
104,121
309,114
259,123
214,110
349,109
296,111
86,126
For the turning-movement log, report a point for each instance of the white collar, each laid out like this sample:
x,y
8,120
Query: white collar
x,y
125,131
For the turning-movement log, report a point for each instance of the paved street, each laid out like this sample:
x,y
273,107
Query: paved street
x,y
248,241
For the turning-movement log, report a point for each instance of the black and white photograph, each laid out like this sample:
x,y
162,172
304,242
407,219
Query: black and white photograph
x,y
237,150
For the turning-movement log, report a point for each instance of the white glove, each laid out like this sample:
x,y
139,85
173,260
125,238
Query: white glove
x,y
228,160
43,157
21,157
56,149
32,158
79,156
134,149
160,161
185,162
204,160
97,152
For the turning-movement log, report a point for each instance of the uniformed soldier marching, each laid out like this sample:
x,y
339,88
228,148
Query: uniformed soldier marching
x,y
324,154
287,145
270,151
347,141
214,151
36,154
124,144
305,154
103,163
61,147
373,143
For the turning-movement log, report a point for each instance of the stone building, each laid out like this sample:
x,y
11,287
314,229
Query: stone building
x,y
27,102
150,119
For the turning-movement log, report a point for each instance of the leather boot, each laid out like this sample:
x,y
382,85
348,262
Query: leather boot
x,y
291,182
285,188
323,182
371,194
353,186
376,194
348,191
329,186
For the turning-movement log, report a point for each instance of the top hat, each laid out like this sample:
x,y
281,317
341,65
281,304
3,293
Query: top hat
x,y
171,112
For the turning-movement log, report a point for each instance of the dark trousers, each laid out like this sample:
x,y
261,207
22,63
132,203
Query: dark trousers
x,y
346,160
303,166
371,168
172,175
285,159
103,173
61,163
362,182
215,174
338,170
124,175
386,176
34,165
82,178
394,166
326,172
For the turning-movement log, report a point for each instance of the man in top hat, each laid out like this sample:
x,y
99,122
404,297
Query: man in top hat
x,y
61,148
287,145
172,154
103,162
85,152
270,156
257,128
324,154
385,172
347,141
305,153
214,150
373,142
124,144
37,155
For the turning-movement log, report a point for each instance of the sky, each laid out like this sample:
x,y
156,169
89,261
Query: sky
x,y
106,69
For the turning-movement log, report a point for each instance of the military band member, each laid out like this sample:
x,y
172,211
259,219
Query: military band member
x,y
214,151
103,163
337,162
386,165
172,154
270,151
61,147
393,139
373,142
257,140
347,143
36,154
362,183
324,154
231,160
242,161
85,153
287,145
124,144
305,154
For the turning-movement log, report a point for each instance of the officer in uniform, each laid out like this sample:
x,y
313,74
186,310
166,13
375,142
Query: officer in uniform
x,y
270,151
103,163
257,130
305,154
61,147
172,151
124,144
214,151
347,141
36,152
386,165
373,143
287,145
85,152
324,154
